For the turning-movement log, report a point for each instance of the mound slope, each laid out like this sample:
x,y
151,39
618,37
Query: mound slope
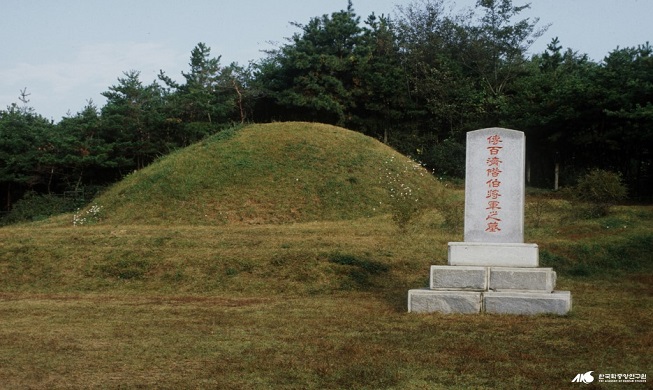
x,y
271,173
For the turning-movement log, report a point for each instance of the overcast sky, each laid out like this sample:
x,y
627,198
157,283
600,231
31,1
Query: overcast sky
x,y
66,52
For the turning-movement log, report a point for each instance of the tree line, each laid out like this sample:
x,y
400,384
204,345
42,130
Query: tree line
x,y
418,82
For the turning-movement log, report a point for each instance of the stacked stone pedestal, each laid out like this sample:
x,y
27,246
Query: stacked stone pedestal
x,y
492,278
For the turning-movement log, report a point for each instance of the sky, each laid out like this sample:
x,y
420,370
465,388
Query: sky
x,y
64,53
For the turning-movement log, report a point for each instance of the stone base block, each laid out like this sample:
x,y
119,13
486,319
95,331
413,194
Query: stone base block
x,y
526,279
429,301
493,254
558,302
445,277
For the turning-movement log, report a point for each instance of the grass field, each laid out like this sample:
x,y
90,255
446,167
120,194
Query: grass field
x,y
257,304
314,305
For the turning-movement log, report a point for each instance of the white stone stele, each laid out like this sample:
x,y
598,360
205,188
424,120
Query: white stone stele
x,y
493,254
493,270
495,161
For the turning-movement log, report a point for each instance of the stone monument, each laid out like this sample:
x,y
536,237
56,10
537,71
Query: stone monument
x,y
493,270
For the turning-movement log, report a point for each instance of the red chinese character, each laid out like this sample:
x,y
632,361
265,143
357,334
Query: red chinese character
x,y
493,194
493,227
493,161
493,216
494,139
493,183
493,205
494,172
494,150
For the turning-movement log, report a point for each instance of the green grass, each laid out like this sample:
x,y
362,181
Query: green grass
x,y
297,259
287,303
273,173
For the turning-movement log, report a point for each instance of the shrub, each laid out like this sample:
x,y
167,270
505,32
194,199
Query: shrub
x,y
34,207
447,159
403,196
599,190
625,253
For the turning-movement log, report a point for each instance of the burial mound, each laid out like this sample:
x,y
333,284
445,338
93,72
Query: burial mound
x,y
271,173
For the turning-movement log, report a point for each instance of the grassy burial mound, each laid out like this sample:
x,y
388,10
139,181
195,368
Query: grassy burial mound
x,y
272,173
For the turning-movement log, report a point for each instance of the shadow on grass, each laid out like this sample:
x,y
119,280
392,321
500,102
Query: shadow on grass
x,y
365,275
362,274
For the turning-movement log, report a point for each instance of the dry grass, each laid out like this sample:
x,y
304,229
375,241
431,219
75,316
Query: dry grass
x,y
341,341
302,306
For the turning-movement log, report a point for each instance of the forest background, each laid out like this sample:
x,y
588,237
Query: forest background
x,y
417,82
